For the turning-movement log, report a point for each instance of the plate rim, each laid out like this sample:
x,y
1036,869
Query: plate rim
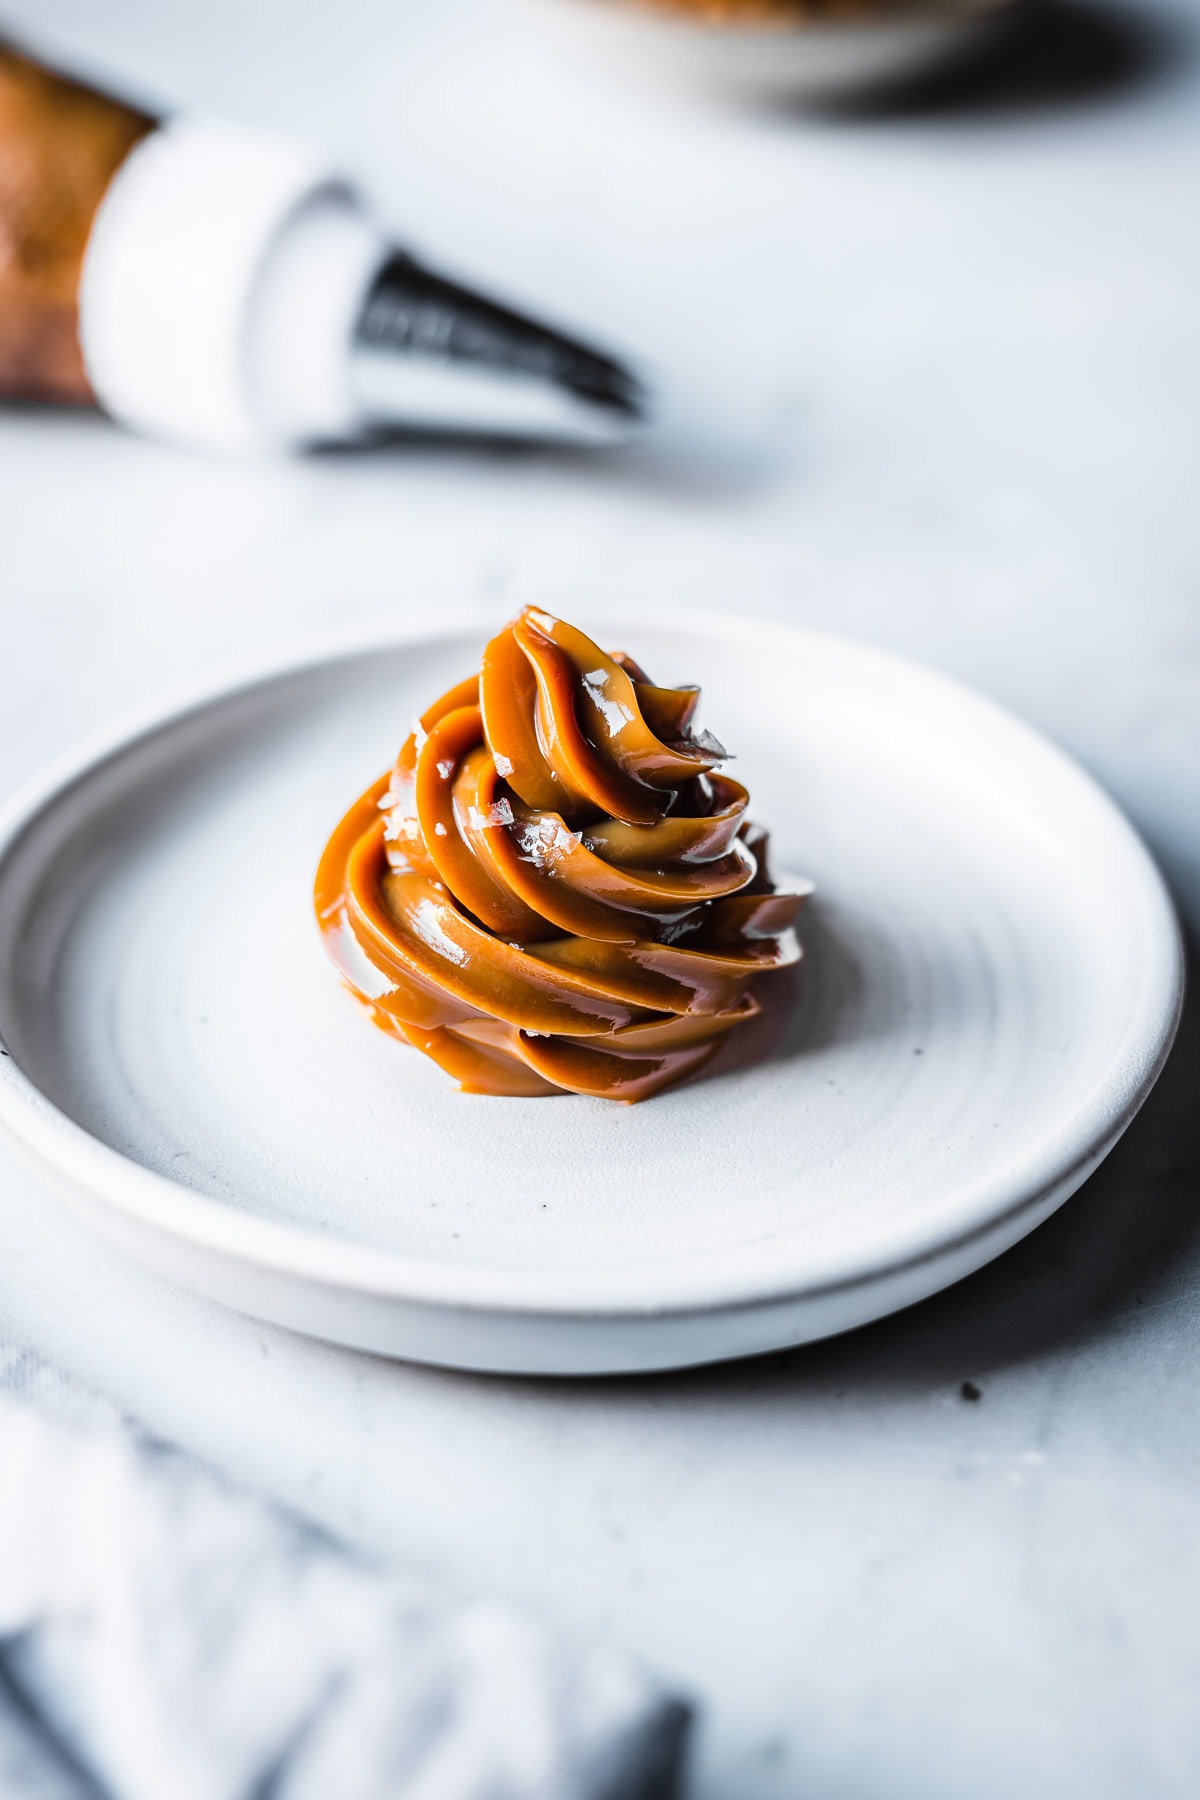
x,y
144,1199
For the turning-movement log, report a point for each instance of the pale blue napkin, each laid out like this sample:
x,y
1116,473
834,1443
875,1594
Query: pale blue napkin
x,y
165,1637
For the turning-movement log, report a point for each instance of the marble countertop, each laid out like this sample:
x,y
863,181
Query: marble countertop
x,y
931,377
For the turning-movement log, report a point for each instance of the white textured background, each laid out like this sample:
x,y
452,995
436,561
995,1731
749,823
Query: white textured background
x,y
933,378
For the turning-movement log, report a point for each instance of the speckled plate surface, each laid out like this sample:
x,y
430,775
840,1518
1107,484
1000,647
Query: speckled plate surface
x,y
992,982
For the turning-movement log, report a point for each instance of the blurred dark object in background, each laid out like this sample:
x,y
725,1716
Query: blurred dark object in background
x,y
1044,54
224,286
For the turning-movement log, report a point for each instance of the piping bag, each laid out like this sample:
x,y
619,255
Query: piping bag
x,y
223,286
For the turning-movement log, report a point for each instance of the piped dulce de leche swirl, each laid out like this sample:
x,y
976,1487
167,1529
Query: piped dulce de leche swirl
x,y
554,890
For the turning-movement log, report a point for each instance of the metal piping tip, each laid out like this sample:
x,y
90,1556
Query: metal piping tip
x,y
431,354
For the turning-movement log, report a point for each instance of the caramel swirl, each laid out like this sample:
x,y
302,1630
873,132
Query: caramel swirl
x,y
554,890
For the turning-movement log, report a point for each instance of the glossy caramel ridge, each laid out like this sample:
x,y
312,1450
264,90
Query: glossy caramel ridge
x,y
554,890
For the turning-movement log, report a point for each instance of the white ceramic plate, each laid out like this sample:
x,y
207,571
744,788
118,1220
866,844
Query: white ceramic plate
x,y
992,984
811,61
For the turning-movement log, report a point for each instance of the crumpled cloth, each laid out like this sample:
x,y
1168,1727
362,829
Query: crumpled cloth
x,y
166,1637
